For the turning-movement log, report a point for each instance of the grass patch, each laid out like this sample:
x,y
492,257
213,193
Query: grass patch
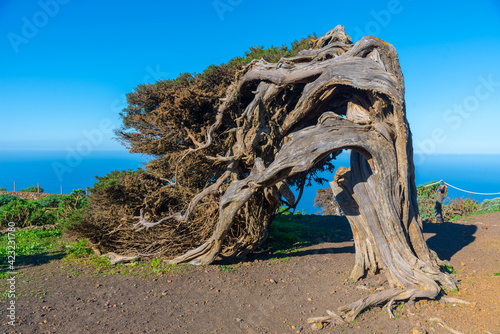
x,y
32,241
455,217
160,267
449,269
276,260
5,275
496,274
226,268
78,249
451,291
99,262
32,246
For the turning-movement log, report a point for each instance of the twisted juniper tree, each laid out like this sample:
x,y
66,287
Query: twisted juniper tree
x,y
277,124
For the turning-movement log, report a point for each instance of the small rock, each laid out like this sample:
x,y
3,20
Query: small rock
x,y
418,330
238,320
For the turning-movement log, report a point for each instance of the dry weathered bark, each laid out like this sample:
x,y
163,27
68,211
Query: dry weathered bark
x,y
301,111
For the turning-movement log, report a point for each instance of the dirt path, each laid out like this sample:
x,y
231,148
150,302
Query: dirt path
x,y
262,295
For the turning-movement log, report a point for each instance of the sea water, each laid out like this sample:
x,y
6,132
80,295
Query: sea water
x,y
478,173
53,169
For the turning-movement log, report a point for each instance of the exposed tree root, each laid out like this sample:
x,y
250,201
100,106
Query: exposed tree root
x,y
451,300
389,308
441,323
332,318
115,258
199,256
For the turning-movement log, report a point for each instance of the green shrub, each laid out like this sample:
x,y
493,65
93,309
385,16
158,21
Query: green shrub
x,y
25,213
426,198
51,201
452,207
73,220
3,189
6,199
33,189
70,203
490,204
458,207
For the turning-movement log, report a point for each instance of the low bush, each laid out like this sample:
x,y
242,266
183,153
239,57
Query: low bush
x,y
25,213
33,189
490,204
452,207
458,207
70,203
68,209
73,220
51,201
426,198
6,199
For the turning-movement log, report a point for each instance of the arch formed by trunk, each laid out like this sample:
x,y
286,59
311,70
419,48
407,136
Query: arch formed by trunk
x,y
296,113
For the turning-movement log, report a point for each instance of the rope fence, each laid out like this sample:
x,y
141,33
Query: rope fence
x,y
425,186
465,191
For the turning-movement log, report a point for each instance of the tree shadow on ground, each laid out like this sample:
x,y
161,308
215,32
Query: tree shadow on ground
x,y
449,238
25,261
295,236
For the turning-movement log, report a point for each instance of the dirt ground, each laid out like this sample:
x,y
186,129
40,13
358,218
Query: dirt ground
x,y
264,294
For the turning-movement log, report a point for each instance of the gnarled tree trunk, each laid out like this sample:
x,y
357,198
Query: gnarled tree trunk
x,y
300,111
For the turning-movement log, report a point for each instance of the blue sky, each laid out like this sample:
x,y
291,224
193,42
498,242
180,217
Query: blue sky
x,y
66,65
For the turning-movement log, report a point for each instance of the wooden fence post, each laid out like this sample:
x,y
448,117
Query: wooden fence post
x,y
441,195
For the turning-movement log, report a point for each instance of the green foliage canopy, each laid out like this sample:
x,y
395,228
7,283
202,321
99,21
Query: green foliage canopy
x,y
33,189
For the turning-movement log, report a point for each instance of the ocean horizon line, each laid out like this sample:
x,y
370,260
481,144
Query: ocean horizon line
x,y
124,150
